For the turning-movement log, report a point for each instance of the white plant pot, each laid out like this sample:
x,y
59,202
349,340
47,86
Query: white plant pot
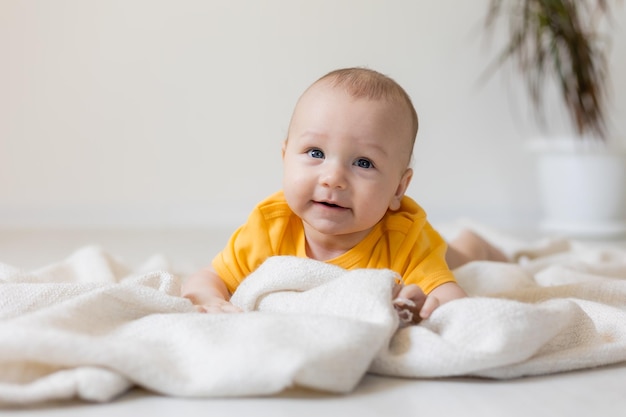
x,y
583,188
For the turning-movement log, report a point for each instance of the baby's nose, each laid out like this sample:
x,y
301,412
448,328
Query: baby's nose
x,y
333,175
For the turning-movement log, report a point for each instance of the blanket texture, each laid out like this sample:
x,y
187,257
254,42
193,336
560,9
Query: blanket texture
x,y
90,328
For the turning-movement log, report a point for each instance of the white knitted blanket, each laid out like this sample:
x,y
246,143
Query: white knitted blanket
x,y
87,327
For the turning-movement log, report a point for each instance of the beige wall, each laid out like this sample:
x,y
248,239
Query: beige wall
x,y
171,113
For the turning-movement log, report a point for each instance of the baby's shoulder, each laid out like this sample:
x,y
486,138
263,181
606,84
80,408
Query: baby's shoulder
x,y
408,216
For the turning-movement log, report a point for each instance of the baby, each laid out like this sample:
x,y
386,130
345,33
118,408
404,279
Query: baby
x,y
346,164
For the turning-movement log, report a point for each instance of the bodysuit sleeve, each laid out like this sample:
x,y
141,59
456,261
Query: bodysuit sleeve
x,y
427,265
246,249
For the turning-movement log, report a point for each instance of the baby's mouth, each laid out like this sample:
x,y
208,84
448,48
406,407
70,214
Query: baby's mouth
x,y
327,204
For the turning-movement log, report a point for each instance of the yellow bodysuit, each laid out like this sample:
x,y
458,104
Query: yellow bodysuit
x,y
402,241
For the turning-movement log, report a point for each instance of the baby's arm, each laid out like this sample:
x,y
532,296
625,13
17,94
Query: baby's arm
x,y
441,295
426,304
207,291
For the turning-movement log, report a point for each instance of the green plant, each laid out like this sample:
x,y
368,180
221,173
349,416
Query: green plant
x,y
560,39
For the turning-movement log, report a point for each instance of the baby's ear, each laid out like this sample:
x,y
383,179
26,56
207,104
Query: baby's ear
x,y
284,147
394,204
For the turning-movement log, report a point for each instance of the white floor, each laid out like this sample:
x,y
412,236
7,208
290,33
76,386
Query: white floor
x,y
600,392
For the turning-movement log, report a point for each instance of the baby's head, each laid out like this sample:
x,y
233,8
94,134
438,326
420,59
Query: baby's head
x,y
347,154
370,85
363,83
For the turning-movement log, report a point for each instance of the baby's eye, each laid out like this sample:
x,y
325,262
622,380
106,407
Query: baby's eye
x,y
363,163
316,153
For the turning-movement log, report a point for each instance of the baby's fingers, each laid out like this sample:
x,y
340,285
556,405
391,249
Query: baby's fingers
x,y
429,306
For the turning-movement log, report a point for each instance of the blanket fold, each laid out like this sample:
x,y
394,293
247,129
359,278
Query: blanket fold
x,y
89,327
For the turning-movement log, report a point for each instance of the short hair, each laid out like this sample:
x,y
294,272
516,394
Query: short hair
x,y
369,84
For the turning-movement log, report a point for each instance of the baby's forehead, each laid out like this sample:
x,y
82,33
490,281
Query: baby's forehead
x,y
325,90
385,136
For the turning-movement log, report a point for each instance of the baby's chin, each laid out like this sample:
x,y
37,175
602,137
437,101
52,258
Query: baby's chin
x,y
335,230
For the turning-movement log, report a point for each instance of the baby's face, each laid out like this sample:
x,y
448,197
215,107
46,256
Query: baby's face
x,y
345,161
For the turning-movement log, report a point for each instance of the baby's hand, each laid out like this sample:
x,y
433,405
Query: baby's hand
x,y
412,304
217,305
